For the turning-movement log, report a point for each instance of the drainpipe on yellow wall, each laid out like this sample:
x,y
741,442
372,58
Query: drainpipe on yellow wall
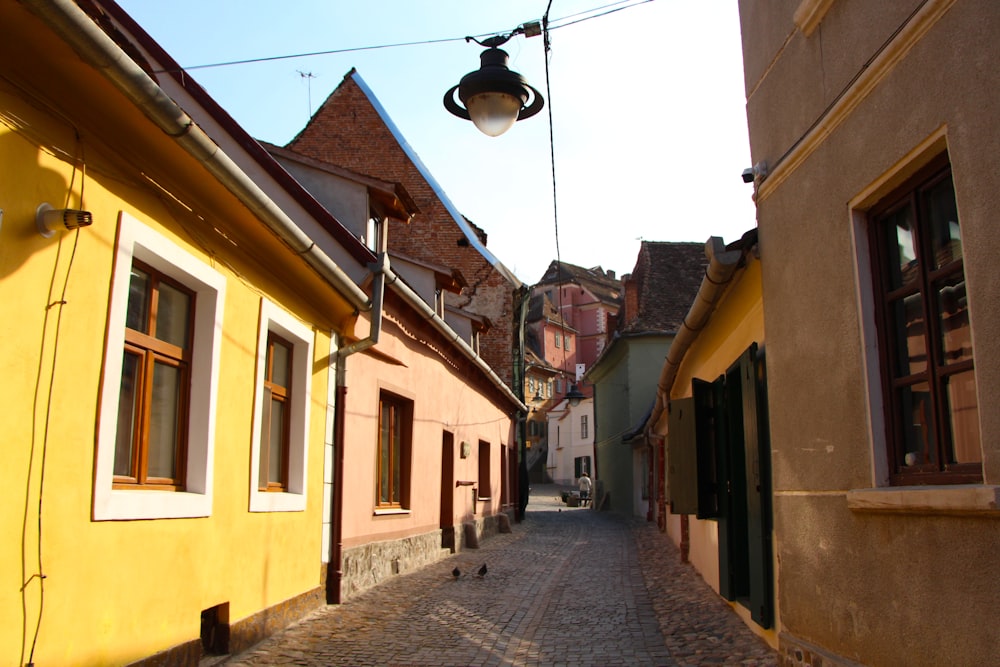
x,y
722,264
94,46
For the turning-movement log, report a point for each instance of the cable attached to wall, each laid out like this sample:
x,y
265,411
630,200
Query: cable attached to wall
x,y
57,305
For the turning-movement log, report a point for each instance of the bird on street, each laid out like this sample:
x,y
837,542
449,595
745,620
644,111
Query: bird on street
x,y
482,571
456,573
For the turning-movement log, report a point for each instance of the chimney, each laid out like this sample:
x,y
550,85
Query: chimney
x,y
631,303
611,274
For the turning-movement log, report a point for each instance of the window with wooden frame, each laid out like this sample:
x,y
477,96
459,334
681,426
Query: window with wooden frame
x,y
484,470
148,353
280,447
925,338
274,415
584,427
395,419
151,440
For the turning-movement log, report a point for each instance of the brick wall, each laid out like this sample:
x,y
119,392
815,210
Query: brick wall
x,y
347,131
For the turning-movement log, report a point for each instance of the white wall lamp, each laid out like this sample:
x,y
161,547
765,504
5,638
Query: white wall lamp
x,y
48,220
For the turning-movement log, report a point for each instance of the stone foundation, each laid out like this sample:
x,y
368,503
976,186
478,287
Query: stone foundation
x,y
368,565
794,652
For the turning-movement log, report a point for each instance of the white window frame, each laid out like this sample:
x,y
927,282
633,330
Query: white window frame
x,y
275,320
136,241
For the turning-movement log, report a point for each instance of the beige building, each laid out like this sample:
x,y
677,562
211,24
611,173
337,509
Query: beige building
x,y
873,131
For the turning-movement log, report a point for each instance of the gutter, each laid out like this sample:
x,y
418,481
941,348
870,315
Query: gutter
x,y
384,276
94,46
77,29
100,51
722,265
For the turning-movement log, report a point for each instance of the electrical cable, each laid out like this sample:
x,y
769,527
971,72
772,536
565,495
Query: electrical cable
x,y
60,303
612,8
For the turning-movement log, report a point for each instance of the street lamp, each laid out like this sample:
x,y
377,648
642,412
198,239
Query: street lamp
x,y
574,395
494,97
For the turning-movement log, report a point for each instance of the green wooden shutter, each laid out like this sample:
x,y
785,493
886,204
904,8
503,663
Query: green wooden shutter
x,y
733,571
706,418
758,487
682,462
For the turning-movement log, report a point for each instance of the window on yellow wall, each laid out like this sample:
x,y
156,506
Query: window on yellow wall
x,y
393,466
151,443
156,425
274,415
281,412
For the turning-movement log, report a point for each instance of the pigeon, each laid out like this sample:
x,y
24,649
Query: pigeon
x,y
482,571
456,573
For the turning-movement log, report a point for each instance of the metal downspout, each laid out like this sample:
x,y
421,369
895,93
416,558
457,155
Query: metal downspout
x,y
101,52
722,264
334,567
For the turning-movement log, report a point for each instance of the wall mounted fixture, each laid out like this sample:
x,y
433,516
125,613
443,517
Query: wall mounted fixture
x,y
48,219
494,97
758,171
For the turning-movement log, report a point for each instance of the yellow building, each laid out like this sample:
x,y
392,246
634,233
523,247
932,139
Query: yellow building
x,y
711,414
167,338
179,322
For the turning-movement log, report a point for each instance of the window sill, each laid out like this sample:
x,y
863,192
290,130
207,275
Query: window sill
x,y
128,505
484,499
273,501
964,500
388,511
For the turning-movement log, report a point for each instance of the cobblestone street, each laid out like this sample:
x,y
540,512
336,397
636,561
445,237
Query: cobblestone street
x,y
568,587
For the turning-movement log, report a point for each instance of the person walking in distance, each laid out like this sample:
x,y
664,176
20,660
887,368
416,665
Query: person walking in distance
x,y
585,484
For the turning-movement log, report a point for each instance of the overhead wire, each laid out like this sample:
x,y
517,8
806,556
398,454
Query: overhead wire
x,y
586,14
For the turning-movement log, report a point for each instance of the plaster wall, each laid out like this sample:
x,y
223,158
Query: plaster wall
x,y
625,380
849,577
613,458
737,322
704,550
347,201
443,400
117,591
572,444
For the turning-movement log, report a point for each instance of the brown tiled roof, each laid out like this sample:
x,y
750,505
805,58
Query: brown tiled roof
x,y
603,286
541,307
667,276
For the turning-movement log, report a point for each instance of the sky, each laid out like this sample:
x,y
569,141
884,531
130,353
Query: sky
x,y
647,103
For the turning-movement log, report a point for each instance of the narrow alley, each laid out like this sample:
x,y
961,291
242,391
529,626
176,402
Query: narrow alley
x,y
569,586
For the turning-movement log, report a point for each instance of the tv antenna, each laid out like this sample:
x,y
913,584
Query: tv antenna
x,y
308,76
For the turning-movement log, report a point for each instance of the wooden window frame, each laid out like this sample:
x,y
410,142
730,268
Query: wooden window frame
x,y
283,394
151,350
485,469
390,404
937,370
277,324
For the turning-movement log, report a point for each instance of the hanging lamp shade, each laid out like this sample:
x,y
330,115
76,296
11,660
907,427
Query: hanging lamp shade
x,y
493,97
574,396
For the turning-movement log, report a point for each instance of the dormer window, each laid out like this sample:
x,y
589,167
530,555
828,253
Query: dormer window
x,y
373,230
